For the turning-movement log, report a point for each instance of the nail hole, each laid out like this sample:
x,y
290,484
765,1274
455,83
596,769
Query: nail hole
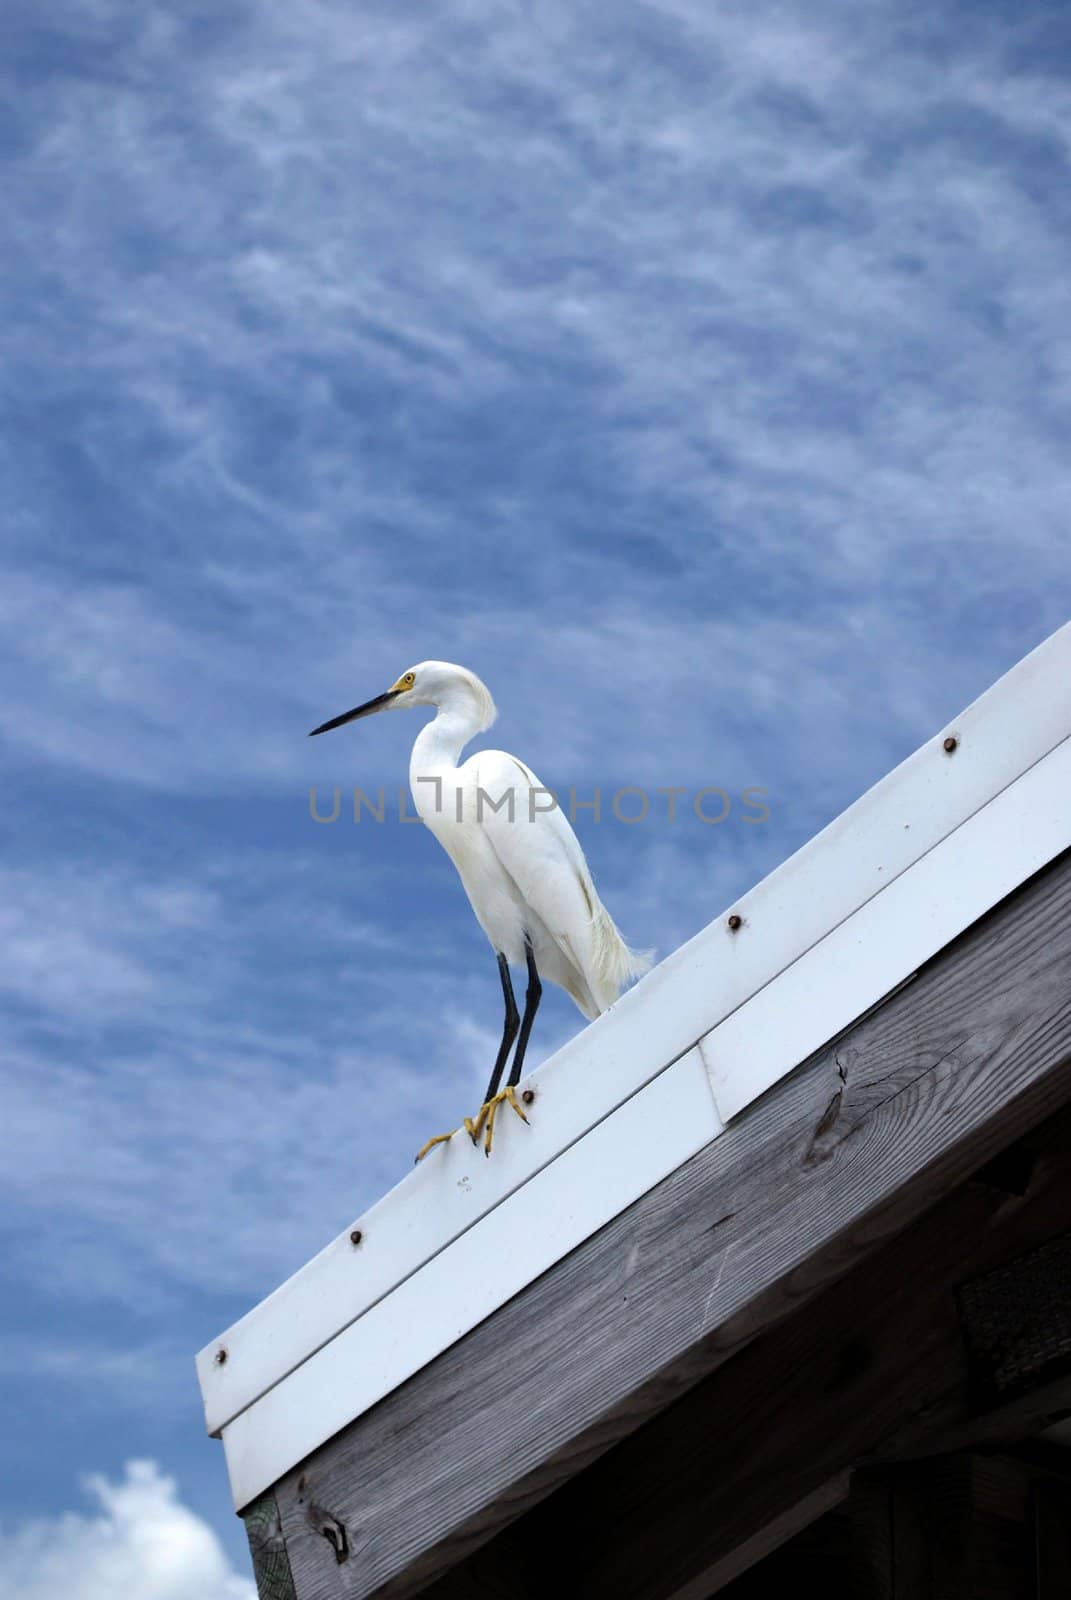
x,y
735,921
221,1357
356,1236
528,1095
950,744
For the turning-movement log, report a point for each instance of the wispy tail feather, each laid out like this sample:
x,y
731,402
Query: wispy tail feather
x,y
613,963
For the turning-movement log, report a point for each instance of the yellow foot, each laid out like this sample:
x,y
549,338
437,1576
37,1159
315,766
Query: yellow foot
x,y
485,1118
440,1138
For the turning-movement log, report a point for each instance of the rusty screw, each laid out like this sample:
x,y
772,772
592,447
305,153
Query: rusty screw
x,y
220,1357
951,744
735,921
528,1095
356,1236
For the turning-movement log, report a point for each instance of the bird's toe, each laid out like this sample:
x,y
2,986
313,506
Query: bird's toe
x,y
439,1138
488,1113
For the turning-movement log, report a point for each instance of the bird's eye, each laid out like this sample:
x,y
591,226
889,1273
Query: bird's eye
x,y
409,679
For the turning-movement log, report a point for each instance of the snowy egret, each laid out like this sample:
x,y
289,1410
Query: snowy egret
x,y
519,861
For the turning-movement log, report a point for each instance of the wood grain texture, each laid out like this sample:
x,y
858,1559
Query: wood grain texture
x,y
875,1359
821,1172
271,1564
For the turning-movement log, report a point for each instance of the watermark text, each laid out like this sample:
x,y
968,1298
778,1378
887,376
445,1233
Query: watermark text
x,y
629,805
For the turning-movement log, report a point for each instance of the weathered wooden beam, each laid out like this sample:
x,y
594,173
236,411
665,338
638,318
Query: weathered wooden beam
x,y
781,1530
848,1552
963,1527
810,1181
876,1360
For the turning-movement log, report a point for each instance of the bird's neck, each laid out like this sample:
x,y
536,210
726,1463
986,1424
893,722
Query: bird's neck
x,y
439,744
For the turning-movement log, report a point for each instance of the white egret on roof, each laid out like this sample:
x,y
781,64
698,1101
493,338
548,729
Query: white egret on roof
x,y
519,861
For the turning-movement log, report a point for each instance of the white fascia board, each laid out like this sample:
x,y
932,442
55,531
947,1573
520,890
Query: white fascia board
x,y
590,1183
857,857
872,952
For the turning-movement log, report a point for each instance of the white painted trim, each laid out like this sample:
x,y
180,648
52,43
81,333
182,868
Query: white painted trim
x,y
686,998
597,1177
871,953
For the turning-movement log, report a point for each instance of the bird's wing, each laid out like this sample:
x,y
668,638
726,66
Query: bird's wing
x,y
536,846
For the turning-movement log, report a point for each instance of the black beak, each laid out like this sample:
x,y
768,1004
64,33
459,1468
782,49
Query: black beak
x,y
367,710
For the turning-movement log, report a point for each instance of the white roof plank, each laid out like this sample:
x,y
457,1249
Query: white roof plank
x,y
873,951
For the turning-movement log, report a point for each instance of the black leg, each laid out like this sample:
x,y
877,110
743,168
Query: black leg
x,y
531,1006
509,1028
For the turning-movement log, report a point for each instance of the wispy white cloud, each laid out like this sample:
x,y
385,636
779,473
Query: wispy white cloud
x,y
140,1540
822,335
95,1375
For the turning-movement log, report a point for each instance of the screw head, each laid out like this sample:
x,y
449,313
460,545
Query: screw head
x,y
734,922
220,1357
356,1236
951,743
528,1095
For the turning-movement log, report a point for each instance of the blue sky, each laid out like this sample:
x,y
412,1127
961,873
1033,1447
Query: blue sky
x,y
697,373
